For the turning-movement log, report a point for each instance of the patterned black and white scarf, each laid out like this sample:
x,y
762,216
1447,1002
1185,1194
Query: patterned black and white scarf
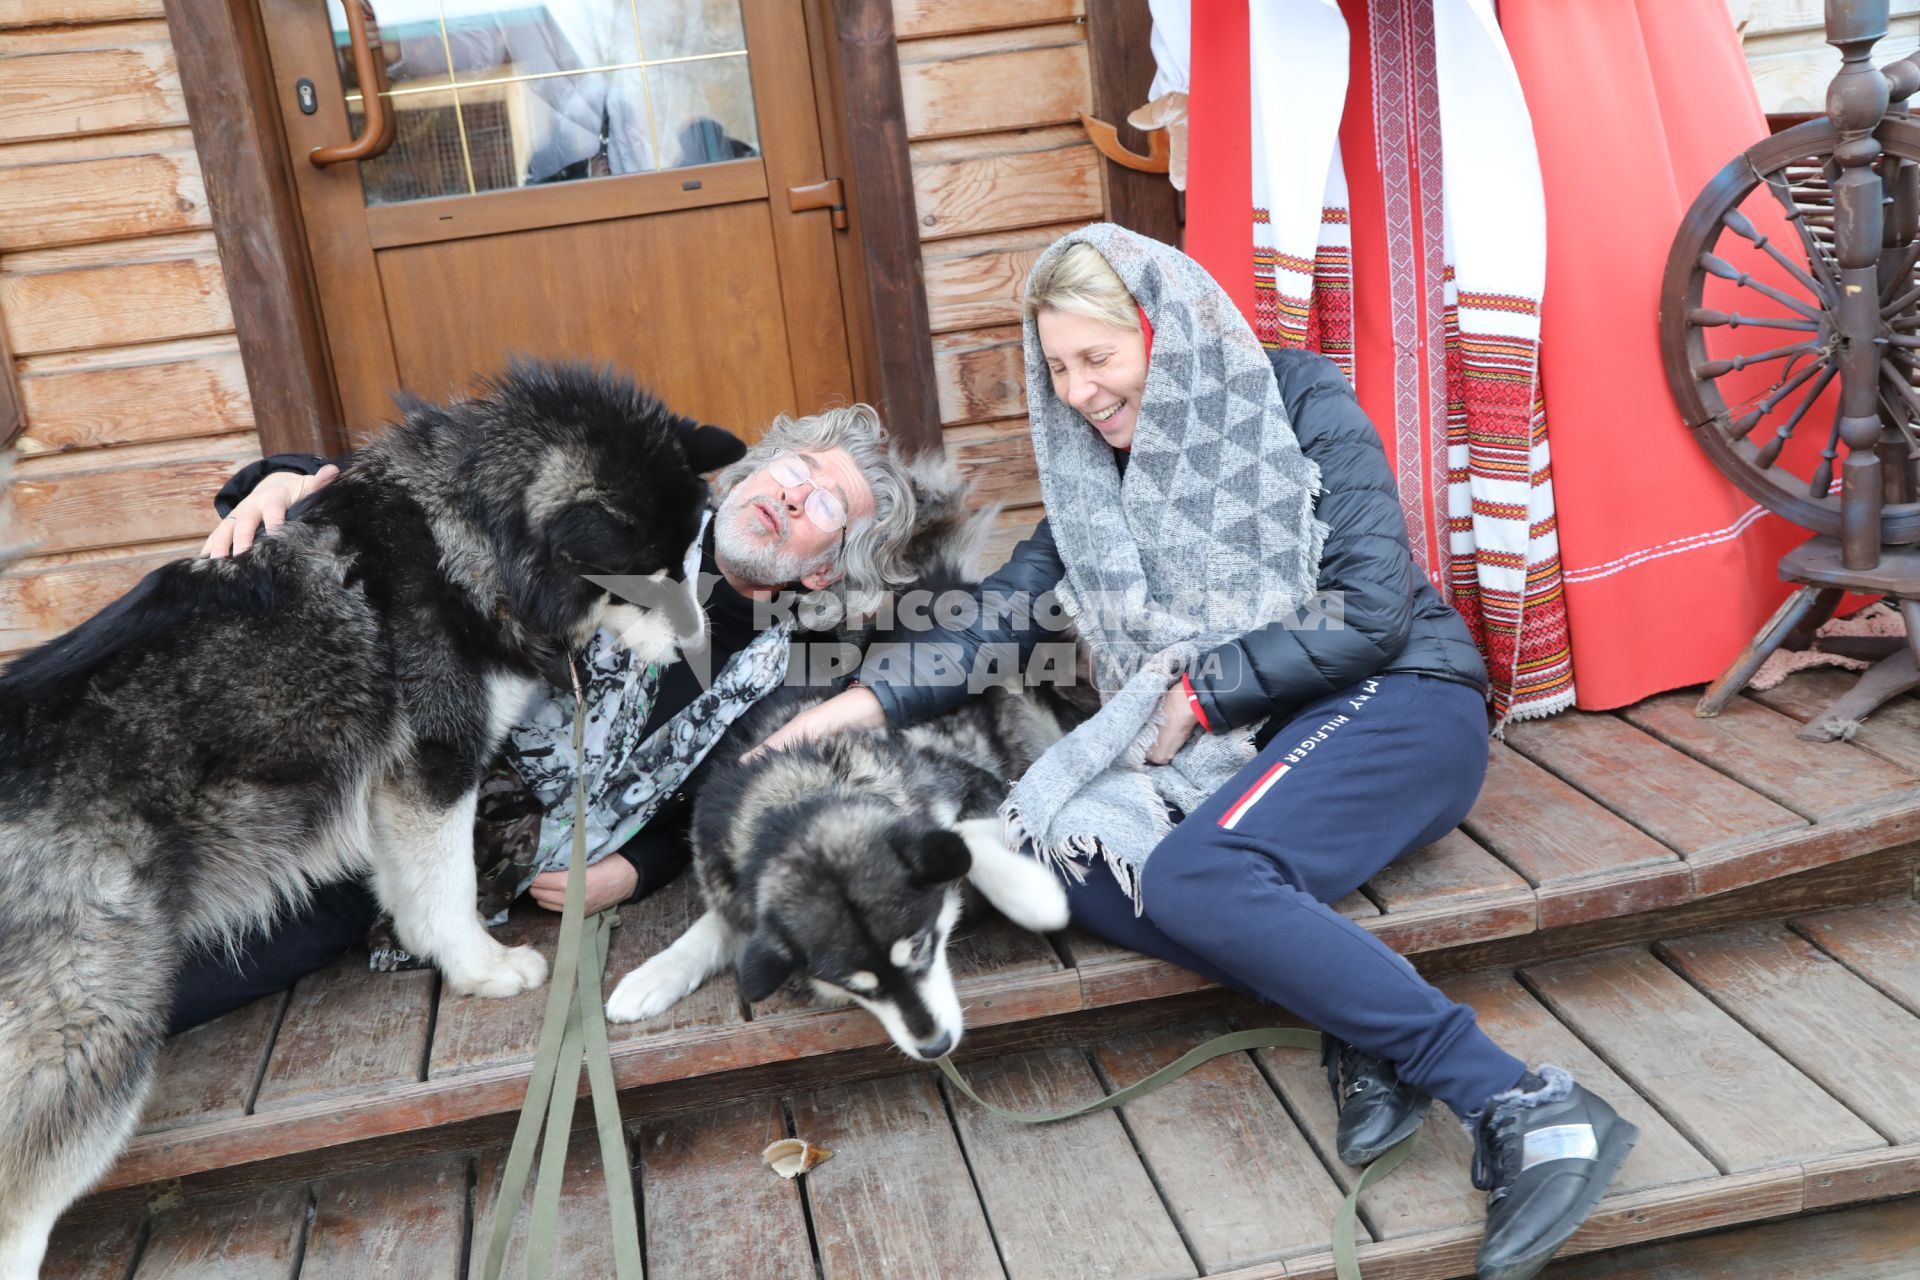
x,y
629,773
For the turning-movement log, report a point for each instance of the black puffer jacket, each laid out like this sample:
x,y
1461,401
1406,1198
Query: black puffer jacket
x,y
1394,619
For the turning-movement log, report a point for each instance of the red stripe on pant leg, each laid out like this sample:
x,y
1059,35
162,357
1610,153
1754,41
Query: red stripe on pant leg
x,y
1251,794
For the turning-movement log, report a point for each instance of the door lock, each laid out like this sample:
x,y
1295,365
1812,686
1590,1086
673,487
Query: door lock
x,y
820,195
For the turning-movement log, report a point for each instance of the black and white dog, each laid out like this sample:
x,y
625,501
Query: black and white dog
x,y
840,862
182,766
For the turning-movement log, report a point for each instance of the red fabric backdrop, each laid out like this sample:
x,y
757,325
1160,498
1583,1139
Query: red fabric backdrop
x,y
1669,568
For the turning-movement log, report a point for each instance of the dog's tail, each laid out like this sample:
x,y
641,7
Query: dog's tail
x,y
949,532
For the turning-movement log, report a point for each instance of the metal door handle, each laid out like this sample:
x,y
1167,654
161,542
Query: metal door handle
x,y
376,123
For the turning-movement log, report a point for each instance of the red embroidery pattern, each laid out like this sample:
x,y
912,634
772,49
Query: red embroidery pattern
x,y
1282,289
1321,317
1330,317
1496,413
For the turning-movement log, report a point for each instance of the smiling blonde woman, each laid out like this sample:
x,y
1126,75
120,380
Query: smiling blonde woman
x,y
1286,760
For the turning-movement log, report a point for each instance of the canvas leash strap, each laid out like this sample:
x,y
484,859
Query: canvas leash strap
x,y
573,1024
1345,1263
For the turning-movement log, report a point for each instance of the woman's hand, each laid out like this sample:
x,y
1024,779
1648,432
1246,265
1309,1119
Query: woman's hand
x,y
610,882
1177,723
857,708
266,506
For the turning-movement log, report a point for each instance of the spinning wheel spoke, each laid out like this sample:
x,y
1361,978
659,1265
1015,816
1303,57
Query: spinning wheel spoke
x,y
1890,406
1718,266
1822,483
1901,303
1742,226
1901,380
1797,216
1744,425
1734,320
1770,451
1902,274
1720,368
1896,377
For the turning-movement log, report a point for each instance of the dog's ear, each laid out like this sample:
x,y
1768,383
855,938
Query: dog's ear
x,y
708,448
933,858
764,966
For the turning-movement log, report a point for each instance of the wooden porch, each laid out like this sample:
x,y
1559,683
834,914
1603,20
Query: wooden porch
x,y
1710,922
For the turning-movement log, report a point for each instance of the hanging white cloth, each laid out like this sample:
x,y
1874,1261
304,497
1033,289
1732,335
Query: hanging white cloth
x,y
1299,86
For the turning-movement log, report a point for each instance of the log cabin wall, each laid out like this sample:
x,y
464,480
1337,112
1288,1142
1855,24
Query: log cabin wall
x,y
114,306
1786,48
1001,167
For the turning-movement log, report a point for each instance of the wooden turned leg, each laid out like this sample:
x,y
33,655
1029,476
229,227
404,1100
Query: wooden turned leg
x,y
1792,612
1910,614
1824,605
1892,676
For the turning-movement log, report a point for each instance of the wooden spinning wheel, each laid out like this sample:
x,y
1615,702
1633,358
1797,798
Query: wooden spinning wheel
x,y
1790,330
1736,272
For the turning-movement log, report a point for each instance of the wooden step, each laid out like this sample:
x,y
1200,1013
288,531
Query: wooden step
x,y
1874,1242
1592,830
1764,1065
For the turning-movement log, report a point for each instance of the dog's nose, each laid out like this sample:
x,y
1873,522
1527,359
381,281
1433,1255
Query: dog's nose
x,y
938,1046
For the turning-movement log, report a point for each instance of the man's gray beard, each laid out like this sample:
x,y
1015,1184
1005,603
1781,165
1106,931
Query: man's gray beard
x,y
744,556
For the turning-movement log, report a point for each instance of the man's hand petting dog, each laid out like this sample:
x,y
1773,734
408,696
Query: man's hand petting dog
x,y
265,508
1177,723
855,709
610,882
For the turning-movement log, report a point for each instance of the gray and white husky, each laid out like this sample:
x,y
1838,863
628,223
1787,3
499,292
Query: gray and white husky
x,y
182,766
839,862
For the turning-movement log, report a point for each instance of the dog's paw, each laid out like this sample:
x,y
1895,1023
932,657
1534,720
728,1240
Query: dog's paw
x,y
651,990
649,636
1031,896
1018,886
827,996
508,972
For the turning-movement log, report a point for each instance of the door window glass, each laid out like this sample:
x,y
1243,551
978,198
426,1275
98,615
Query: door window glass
x,y
491,94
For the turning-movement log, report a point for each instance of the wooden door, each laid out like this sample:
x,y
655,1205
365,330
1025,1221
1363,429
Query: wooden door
x,y
600,179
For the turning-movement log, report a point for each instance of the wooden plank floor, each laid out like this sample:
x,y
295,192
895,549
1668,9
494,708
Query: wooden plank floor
x,y
1585,818
1875,1242
1763,1063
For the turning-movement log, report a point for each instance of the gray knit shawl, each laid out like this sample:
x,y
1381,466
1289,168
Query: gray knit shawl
x,y
1209,534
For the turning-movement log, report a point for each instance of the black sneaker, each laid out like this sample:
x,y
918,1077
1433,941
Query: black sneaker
x,y
1545,1152
1376,1107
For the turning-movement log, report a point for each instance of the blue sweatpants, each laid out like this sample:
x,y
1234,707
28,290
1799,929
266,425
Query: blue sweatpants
x,y
1238,892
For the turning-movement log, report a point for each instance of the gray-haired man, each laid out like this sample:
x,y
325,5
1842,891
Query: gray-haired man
x,y
816,502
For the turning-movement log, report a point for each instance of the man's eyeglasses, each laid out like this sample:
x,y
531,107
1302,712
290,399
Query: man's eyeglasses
x,y
825,510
